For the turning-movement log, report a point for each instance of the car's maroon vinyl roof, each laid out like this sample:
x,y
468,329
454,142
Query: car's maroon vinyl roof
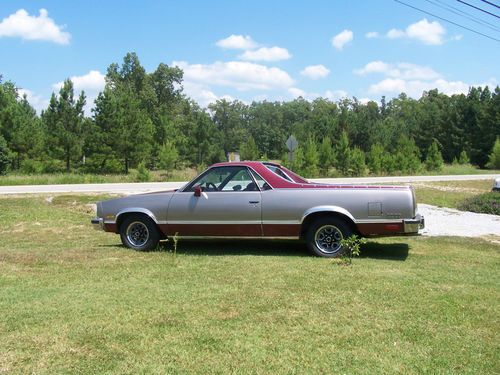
x,y
278,182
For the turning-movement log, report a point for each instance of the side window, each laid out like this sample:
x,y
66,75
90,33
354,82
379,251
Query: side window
x,y
212,180
240,181
263,185
231,178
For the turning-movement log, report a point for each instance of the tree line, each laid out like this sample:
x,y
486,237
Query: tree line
x,y
144,119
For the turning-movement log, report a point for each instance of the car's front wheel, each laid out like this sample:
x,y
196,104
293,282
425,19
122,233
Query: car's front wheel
x,y
139,232
324,237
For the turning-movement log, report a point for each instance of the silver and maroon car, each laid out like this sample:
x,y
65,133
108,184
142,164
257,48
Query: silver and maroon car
x,y
261,200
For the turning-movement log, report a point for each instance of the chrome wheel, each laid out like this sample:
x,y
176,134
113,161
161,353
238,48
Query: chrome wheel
x,y
327,239
137,234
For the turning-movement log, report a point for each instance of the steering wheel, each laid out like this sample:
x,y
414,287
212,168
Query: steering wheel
x,y
210,186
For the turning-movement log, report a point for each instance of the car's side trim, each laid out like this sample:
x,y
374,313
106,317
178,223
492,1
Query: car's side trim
x,y
210,230
335,209
235,238
140,210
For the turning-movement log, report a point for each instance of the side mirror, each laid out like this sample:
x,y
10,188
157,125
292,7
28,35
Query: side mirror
x,y
197,191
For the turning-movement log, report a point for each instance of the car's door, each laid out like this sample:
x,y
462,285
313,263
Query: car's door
x,y
229,205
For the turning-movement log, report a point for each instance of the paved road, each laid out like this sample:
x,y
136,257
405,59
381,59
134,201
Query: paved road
x,y
135,188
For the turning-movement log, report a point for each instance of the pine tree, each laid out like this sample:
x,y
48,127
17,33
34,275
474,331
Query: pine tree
x,y
376,158
4,156
168,156
63,120
463,158
434,160
494,158
326,154
358,166
249,150
343,153
311,158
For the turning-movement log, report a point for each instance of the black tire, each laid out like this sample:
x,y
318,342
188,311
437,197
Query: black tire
x,y
324,235
139,232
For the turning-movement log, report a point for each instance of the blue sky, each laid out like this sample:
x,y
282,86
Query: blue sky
x,y
254,50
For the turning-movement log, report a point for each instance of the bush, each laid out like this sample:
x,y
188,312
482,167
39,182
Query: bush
x,y
488,203
434,160
143,174
494,158
4,156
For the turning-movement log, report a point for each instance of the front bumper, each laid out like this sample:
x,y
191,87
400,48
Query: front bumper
x,y
411,226
97,223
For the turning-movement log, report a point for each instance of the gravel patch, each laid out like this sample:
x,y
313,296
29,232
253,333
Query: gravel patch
x,y
442,221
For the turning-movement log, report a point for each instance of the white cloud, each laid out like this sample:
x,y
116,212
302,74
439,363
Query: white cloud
x,y
202,94
372,35
431,33
341,39
22,25
92,81
315,71
237,42
332,95
237,74
266,54
403,70
414,88
36,101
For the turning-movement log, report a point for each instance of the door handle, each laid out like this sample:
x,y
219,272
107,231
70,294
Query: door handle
x,y
253,202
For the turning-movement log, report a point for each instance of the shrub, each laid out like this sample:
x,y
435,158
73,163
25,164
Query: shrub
x,y
4,156
143,174
434,160
494,158
488,203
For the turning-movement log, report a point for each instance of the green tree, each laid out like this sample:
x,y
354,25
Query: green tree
x,y
376,158
326,154
343,153
357,162
463,158
128,129
494,157
249,150
63,120
406,156
4,156
311,158
168,156
434,160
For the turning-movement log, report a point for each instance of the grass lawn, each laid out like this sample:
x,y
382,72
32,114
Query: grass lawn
x,y
72,300
79,178
450,193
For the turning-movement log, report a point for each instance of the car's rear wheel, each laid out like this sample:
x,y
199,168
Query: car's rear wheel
x,y
324,236
139,232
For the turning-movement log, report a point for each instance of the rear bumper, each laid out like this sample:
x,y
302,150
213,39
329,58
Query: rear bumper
x,y
97,223
411,226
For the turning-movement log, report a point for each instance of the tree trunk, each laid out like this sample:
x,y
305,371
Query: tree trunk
x,y
126,164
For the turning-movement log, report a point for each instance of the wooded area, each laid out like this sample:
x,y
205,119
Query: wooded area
x,y
145,119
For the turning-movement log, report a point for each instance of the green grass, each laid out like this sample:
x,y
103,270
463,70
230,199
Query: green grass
x,y
450,193
77,178
72,300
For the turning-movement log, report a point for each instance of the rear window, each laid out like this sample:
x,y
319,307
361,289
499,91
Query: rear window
x,y
276,170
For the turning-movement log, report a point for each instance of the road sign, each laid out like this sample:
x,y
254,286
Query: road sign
x,y
291,143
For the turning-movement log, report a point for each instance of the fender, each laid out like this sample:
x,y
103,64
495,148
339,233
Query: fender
x,y
140,210
335,209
